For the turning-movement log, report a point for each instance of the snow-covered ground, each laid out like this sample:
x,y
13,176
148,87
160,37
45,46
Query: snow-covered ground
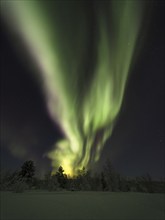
x,y
81,206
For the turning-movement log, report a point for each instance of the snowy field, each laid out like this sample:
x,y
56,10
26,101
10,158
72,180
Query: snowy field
x,y
82,205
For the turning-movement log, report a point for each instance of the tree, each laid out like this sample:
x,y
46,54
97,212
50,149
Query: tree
x,y
5,180
81,172
83,179
145,184
61,177
27,172
103,182
111,177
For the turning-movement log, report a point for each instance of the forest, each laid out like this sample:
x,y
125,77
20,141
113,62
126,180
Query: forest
x,y
107,180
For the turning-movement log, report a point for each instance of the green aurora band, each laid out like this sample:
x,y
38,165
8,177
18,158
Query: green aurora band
x,y
83,52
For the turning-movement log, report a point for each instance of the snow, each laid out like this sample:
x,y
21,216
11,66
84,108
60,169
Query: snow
x,y
44,205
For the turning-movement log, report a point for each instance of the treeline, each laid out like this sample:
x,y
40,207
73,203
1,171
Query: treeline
x,y
85,180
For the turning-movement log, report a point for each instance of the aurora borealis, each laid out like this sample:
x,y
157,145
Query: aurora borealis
x,y
82,59
85,111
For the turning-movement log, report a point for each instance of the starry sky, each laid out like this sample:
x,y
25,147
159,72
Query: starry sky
x,y
136,145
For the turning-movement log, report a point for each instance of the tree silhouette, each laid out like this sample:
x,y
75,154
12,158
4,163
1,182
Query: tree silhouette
x,y
61,177
111,176
103,182
27,171
85,180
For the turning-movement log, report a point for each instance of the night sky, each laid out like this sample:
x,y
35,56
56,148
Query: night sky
x,y
136,146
